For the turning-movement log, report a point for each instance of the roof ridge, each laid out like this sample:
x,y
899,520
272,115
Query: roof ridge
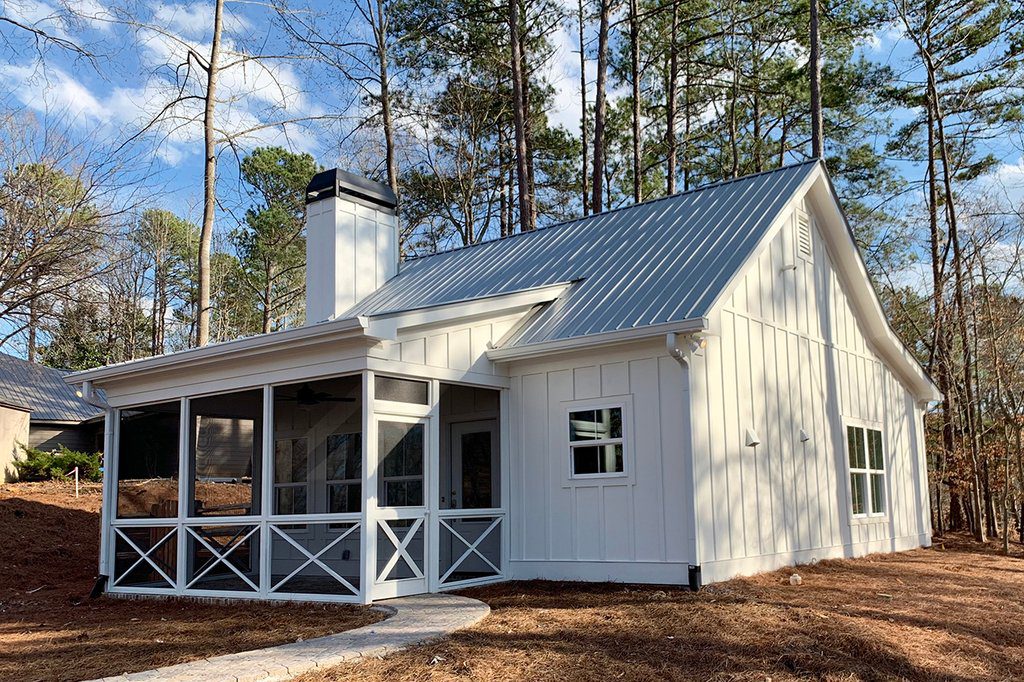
x,y
565,223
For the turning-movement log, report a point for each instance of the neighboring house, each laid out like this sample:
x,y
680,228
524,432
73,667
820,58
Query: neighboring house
x,y
57,415
14,420
684,390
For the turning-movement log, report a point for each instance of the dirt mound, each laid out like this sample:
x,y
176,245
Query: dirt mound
x,y
51,630
158,497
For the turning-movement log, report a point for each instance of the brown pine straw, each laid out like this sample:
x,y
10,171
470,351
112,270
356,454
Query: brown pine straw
x,y
51,630
949,613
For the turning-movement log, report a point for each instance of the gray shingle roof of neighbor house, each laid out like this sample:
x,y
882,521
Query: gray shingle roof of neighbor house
x,y
660,261
42,390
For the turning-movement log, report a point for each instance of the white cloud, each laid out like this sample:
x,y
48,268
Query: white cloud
x,y
53,90
195,21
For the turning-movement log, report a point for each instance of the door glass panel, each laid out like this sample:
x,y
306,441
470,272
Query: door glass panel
x,y
477,470
400,447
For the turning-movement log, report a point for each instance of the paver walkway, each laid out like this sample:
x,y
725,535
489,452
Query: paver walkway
x,y
414,620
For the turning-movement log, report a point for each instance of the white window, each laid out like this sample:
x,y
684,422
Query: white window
x,y
867,471
596,442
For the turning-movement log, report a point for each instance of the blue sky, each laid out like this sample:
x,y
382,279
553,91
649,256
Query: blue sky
x,y
134,75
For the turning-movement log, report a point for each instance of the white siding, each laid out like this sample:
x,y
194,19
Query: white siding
x,y
462,347
790,355
631,528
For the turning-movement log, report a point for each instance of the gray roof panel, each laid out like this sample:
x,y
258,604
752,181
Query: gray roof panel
x,y
656,262
42,390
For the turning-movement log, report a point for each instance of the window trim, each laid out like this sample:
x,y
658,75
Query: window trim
x,y
623,403
867,471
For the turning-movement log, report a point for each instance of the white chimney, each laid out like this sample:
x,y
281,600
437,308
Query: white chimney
x,y
351,242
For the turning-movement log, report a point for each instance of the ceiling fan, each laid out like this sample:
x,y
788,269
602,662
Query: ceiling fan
x,y
307,396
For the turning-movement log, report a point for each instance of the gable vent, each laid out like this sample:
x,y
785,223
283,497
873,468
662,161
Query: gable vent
x,y
804,247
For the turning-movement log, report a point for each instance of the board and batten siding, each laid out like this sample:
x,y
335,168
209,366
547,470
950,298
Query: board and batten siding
x,y
632,528
790,356
460,347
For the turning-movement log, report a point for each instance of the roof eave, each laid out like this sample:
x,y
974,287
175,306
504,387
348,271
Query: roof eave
x,y
610,338
334,330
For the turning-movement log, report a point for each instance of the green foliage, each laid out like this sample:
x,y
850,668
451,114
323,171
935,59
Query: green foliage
x,y
270,244
57,465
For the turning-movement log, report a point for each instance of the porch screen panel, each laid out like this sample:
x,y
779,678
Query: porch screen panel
x,y
400,447
225,453
147,461
318,462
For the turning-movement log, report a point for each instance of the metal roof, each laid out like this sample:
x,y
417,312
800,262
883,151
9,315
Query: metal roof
x,y
43,391
656,262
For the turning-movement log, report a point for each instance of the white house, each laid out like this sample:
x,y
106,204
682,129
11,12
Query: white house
x,y
685,390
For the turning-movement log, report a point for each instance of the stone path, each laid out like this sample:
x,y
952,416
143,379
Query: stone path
x,y
413,620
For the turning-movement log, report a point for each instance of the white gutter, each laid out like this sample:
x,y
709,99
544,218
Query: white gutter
x,y
618,336
90,396
335,330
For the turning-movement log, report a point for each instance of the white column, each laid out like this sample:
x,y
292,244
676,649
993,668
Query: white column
x,y
505,471
266,491
108,507
431,553
184,486
368,536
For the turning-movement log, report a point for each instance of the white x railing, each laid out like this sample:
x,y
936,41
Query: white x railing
x,y
315,558
401,548
145,556
233,543
471,547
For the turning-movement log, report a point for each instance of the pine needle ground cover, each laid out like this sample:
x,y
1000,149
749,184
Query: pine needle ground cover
x,y
51,630
953,612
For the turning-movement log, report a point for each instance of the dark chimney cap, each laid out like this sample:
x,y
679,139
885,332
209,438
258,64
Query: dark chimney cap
x,y
334,182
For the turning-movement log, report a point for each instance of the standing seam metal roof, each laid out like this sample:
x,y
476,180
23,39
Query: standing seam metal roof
x,y
656,262
42,390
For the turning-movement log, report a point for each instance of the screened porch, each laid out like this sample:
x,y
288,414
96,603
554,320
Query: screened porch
x,y
347,488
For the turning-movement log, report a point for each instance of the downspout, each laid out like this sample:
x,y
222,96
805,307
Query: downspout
x,y
692,344
89,395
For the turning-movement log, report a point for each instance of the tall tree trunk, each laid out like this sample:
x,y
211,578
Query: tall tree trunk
x,y
33,327
687,119
671,96
519,115
528,128
380,32
814,66
583,108
970,427
600,106
634,68
209,178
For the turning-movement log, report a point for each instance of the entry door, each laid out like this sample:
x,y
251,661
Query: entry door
x,y
401,531
475,470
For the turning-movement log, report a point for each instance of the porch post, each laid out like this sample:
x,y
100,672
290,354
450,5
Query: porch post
x,y
184,488
431,553
266,491
368,536
505,471
108,505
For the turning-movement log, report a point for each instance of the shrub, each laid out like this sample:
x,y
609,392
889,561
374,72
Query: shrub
x,y
55,466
